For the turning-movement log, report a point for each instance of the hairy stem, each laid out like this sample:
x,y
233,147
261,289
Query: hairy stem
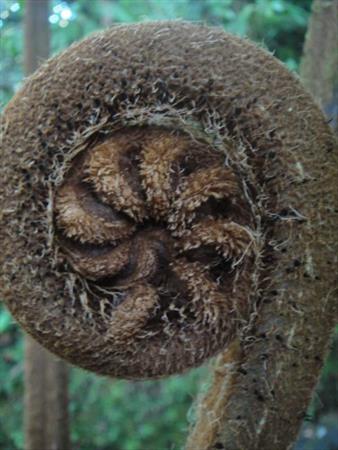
x,y
267,386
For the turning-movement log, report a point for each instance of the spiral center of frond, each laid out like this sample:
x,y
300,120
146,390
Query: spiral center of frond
x,y
162,220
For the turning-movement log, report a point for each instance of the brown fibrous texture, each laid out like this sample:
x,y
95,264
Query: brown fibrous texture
x,y
151,177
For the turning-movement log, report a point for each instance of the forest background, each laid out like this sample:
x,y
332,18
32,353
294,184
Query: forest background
x,y
118,415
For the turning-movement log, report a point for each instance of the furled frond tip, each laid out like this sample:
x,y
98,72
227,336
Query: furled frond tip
x,y
82,219
141,202
111,170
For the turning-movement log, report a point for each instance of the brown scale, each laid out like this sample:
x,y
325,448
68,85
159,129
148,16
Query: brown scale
x,y
150,214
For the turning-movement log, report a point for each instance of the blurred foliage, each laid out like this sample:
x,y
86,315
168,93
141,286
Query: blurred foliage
x,y
118,415
131,416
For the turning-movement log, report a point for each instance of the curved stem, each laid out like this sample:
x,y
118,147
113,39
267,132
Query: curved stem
x,y
259,394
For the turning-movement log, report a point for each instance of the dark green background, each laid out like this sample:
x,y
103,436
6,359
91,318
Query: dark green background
x,y
118,415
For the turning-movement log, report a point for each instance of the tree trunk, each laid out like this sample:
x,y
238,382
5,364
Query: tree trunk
x,y
319,67
107,20
34,401
45,413
262,385
57,428
36,34
46,399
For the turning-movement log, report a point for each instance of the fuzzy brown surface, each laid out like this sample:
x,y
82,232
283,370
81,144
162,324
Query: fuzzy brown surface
x,y
187,83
